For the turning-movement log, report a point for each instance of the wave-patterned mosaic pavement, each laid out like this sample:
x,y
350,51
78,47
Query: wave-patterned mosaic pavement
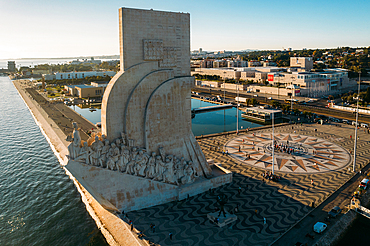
x,y
282,203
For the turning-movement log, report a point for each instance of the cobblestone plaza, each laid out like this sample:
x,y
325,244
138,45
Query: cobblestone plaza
x,y
282,203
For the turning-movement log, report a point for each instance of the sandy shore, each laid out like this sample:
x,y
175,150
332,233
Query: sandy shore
x,y
55,128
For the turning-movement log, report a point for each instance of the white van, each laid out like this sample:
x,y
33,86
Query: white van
x,y
364,125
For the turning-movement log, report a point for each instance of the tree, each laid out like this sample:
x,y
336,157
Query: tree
x,y
367,95
275,104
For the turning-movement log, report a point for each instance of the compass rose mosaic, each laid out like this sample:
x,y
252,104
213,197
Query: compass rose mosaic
x,y
293,153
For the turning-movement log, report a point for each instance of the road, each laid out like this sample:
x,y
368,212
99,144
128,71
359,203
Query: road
x,y
316,107
340,198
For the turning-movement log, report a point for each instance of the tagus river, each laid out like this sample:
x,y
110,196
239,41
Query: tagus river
x,y
39,203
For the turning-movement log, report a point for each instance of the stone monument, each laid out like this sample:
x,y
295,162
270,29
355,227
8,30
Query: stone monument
x,y
146,153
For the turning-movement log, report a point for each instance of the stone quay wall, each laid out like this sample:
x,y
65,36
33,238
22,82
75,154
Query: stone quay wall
x,y
335,233
115,230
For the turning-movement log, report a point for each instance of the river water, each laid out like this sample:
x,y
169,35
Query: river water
x,y
39,203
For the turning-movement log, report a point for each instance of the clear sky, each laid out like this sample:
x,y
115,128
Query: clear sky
x,y
55,28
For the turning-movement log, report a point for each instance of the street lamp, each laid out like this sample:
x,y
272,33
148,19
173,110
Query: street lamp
x,y
237,108
224,86
358,98
291,101
273,140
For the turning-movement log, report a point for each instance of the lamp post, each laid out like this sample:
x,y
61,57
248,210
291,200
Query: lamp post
x,y
273,144
224,86
355,146
237,108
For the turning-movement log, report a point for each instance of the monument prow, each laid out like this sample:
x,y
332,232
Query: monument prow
x,y
147,154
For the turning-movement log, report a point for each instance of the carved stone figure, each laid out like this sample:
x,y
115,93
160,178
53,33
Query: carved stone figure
x,y
189,174
123,139
96,149
83,156
115,150
74,147
159,168
124,159
162,153
103,153
118,143
150,170
169,174
141,165
131,164
111,165
179,168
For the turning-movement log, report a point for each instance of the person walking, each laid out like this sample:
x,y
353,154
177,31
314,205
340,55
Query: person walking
x,y
170,234
264,220
312,183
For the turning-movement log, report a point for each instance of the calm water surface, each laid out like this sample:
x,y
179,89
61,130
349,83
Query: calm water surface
x,y
39,203
203,123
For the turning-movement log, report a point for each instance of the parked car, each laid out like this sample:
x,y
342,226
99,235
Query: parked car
x,y
364,183
334,212
319,227
255,95
270,98
364,125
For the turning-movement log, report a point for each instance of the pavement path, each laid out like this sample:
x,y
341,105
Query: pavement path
x,y
283,203
62,115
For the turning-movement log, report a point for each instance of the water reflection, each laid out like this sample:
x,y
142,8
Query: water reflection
x,y
202,124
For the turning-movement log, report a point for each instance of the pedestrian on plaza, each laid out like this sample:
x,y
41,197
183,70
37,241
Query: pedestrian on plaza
x,y
239,148
313,204
256,211
350,136
239,190
264,220
132,226
153,228
236,209
170,234
312,182
227,152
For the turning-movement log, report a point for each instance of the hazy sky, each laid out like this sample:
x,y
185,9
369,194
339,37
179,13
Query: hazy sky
x,y
55,28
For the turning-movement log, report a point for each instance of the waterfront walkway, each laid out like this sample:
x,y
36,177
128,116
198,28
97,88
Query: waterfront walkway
x,y
282,203
62,115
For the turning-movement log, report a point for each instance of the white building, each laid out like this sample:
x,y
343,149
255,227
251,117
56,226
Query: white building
x,y
80,75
